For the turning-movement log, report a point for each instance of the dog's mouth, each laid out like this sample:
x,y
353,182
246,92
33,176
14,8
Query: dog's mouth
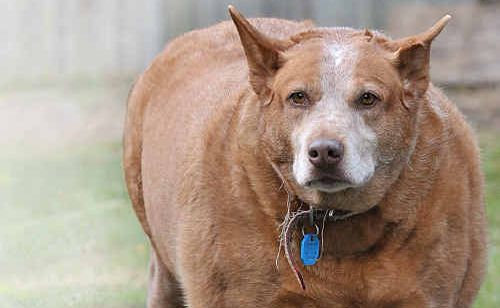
x,y
328,184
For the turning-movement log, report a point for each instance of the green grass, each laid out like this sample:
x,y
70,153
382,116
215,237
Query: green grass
x,y
69,236
489,296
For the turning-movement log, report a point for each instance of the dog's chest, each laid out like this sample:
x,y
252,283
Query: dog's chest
x,y
358,281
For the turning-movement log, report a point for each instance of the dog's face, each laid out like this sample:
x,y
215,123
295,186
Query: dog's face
x,y
341,109
347,125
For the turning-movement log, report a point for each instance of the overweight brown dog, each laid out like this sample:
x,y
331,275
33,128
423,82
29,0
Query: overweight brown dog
x,y
241,137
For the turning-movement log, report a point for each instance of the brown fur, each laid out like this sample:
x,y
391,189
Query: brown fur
x,y
199,143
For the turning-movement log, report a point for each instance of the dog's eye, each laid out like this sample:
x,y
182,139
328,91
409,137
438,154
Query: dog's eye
x,y
298,98
368,99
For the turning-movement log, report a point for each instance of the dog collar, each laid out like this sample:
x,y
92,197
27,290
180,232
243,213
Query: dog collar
x,y
318,215
313,217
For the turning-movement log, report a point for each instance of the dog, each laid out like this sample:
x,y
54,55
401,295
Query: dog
x,y
273,163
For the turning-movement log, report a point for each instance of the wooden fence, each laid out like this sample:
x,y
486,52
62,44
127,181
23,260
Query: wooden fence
x,y
54,40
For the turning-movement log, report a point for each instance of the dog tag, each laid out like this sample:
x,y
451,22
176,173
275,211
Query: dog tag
x,y
309,249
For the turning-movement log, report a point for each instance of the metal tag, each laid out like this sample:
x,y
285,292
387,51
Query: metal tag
x,y
309,249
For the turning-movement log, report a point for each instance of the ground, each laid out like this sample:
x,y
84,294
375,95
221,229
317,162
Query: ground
x,y
69,235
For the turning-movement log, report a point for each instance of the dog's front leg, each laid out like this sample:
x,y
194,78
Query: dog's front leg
x,y
163,290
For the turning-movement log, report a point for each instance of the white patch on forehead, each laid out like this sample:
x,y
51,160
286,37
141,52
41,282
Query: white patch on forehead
x,y
337,66
338,52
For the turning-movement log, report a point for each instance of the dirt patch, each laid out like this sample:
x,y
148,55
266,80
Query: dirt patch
x,y
56,117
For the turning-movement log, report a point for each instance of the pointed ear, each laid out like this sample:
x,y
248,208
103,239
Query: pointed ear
x,y
263,53
412,57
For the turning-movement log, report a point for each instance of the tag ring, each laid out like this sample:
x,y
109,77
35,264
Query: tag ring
x,y
315,225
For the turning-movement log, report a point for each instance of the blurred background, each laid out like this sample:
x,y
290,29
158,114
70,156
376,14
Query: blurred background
x,y
68,236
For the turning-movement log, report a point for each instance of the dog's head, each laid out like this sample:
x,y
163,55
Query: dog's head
x,y
338,108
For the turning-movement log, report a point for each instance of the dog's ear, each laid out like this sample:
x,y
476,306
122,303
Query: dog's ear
x,y
263,54
412,56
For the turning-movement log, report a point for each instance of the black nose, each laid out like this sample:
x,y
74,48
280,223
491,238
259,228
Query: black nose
x,y
325,153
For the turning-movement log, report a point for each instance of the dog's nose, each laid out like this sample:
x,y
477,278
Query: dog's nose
x,y
325,153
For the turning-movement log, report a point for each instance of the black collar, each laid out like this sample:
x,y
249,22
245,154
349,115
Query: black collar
x,y
322,215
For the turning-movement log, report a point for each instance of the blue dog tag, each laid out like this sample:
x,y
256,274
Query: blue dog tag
x,y
309,249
